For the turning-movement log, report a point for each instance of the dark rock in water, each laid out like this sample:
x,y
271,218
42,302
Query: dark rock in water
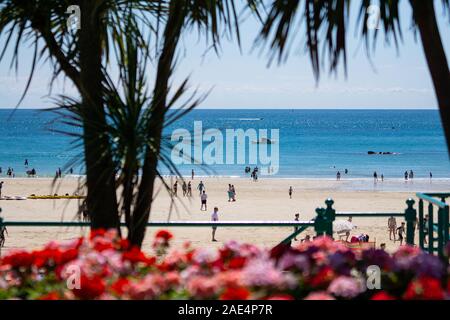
x,y
383,152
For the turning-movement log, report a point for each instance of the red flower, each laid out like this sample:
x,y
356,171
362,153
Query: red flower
x,y
279,297
383,295
50,296
164,234
323,277
135,255
18,259
97,233
90,288
119,287
124,244
233,293
424,288
237,263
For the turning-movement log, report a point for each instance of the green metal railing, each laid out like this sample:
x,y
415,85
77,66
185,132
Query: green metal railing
x,y
322,223
434,228
327,215
300,226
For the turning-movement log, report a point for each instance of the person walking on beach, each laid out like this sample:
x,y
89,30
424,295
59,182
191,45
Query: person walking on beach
x,y
233,193
214,218
230,193
411,174
406,175
1,186
175,188
297,217
184,188
3,231
189,189
201,187
290,192
375,176
431,175
392,226
338,176
401,232
192,174
59,173
203,198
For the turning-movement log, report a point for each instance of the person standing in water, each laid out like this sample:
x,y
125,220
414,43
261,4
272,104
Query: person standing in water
x,y
406,175
214,218
431,176
290,192
338,176
26,162
375,176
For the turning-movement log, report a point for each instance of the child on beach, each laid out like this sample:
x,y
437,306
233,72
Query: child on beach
x,y
203,198
392,226
401,232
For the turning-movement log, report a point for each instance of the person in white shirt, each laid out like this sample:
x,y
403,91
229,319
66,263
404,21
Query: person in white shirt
x,y
214,217
203,198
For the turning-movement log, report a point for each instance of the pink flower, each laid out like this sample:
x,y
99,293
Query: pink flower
x,y
346,287
320,295
202,287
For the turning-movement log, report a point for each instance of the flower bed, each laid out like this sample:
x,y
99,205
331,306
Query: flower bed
x,y
104,266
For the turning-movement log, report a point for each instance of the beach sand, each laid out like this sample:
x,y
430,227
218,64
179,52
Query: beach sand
x,y
264,200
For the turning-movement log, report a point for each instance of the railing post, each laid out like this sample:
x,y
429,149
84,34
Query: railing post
x,y
320,224
411,218
430,229
330,216
440,237
446,225
421,225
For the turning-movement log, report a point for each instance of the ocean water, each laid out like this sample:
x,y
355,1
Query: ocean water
x,y
311,143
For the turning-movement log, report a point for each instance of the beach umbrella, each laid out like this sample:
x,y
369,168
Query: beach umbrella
x,y
341,226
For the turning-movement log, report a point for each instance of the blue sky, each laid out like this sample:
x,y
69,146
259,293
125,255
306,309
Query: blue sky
x,y
243,79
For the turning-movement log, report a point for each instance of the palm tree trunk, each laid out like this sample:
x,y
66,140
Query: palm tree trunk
x,y
101,195
425,17
141,212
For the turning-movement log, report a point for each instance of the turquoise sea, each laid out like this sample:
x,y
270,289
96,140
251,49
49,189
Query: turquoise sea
x,y
311,143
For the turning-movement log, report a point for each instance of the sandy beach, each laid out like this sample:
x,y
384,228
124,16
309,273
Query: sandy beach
x,y
264,200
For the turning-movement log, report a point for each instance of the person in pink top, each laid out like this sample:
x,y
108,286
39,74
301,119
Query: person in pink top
x,y
214,217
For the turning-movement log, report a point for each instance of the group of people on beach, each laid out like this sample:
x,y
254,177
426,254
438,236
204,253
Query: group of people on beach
x,y
253,173
31,172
